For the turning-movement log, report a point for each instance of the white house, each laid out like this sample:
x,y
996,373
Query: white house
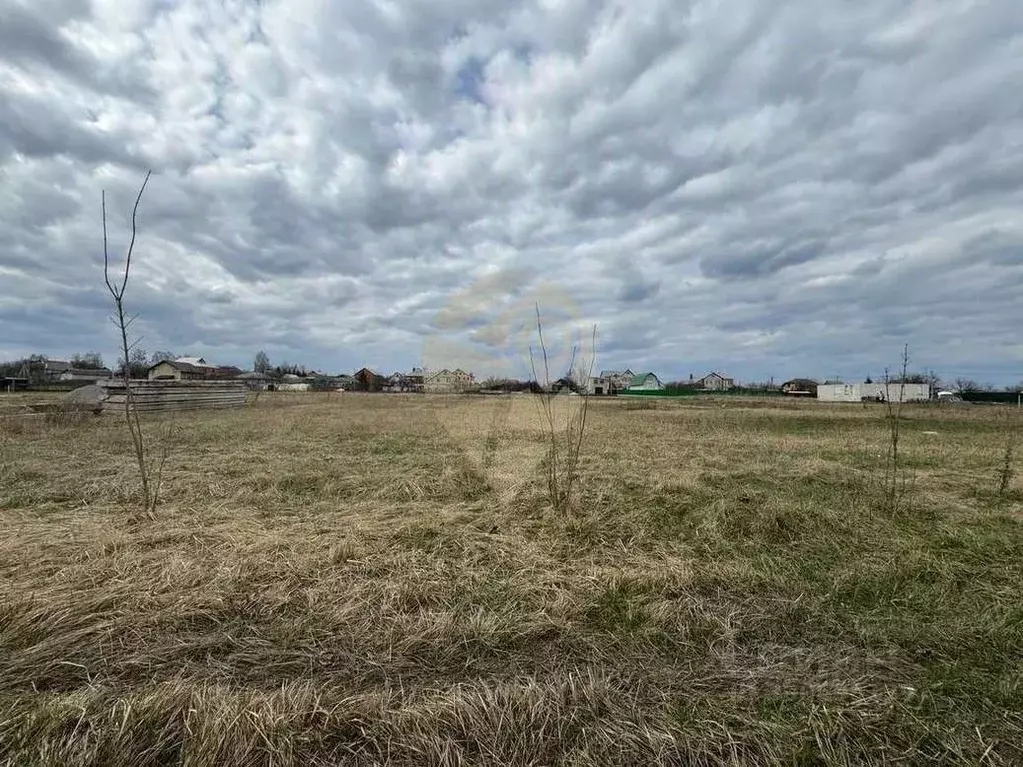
x,y
842,392
610,381
448,381
716,382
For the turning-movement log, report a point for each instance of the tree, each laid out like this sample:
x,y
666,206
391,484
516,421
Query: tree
x,y
262,363
87,361
138,363
966,384
117,286
160,356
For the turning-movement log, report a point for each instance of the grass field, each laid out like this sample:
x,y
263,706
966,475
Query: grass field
x,y
378,580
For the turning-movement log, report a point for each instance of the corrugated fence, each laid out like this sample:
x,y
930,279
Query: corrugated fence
x,y
159,396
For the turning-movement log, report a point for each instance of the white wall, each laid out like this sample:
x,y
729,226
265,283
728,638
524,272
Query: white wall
x,y
855,392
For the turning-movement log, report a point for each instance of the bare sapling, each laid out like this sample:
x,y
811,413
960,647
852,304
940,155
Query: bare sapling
x,y
1005,471
563,433
150,471
897,486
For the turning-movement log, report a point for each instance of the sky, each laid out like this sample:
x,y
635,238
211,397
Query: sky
x,y
772,190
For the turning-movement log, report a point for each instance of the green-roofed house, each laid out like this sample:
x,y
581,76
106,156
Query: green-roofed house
x,y
645,382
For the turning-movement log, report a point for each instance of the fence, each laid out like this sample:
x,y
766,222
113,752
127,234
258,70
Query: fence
x,y
1003,397
160,396
701,393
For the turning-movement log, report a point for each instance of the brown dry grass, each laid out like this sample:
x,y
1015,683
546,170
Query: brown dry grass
x,y
378,579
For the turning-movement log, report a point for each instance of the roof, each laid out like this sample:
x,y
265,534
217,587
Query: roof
x,y
252,375
86,372
198,362
714,374
184,367
640,378
609,373
60,365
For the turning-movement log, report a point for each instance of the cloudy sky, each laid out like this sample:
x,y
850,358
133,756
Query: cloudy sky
x,y
769,189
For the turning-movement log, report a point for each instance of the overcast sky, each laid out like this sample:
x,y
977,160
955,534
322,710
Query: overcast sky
x,y
763,188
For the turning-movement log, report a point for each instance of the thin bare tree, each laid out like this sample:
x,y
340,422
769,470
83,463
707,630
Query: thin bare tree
x,y
564,439
897,485
149,474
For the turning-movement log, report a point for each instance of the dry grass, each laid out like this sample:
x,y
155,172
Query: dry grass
x,y
379,580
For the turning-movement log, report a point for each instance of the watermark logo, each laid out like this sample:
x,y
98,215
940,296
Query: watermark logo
x,y
489,328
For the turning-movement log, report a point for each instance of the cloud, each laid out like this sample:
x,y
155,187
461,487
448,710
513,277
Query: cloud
x,y
789,189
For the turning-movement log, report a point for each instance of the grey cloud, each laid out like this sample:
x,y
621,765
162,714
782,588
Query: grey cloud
x,y
762,257
39,130
30,40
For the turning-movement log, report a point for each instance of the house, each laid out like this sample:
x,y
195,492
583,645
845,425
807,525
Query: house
x,y
880,392
198,362
344,382
645,382
54,369
226,372
611,382
448,381
567,385
253,380
414,380
800,387
368,380
715,382
181,369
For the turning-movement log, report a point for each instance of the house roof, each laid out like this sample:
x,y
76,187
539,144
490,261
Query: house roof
x,y
609,373
58,365
252,375
184,367
198,362
715,374
640,378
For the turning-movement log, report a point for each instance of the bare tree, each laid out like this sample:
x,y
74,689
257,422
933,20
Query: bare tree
x,y
564,437
966,384
896,484
261,364
117,287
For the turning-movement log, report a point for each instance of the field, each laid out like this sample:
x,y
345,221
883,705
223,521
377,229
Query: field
x,y
378,579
